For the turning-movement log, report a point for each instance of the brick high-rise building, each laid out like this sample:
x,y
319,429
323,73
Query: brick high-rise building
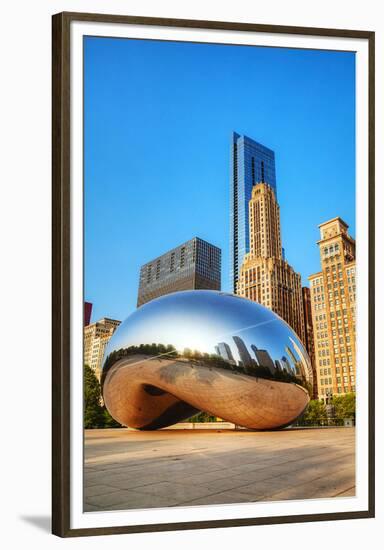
x,y
193,265
333,294
265,276
308,335
96,337
87,313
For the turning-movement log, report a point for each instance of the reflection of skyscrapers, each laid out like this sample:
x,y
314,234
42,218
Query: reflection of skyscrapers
x,y
265,276
251,162
263,358
244,354
286,364
333,292
296,362
278,365
195,264
225,352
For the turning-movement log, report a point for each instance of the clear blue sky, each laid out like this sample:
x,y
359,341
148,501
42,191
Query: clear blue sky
x,y
158,124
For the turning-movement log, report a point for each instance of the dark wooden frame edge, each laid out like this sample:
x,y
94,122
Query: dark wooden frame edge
x,y
61,272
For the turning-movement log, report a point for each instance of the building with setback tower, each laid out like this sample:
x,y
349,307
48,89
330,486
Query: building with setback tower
x,y
251,162
265,276
333,302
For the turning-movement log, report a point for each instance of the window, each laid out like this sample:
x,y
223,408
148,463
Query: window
x,y
149,269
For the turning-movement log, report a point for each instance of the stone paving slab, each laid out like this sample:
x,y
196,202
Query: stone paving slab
x,y
127,469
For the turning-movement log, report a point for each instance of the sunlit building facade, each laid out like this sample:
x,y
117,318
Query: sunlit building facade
x,y
333,295
265,276
96,337
251,162
308,335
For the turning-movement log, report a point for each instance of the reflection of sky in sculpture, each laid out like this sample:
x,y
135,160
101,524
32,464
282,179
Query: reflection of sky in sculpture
x,y
200,320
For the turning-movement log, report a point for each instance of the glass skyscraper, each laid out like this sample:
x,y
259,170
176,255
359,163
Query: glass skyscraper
x,y
251,163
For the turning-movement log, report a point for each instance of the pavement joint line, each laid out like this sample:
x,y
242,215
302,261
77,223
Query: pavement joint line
x,y
271,495
218,461
346,490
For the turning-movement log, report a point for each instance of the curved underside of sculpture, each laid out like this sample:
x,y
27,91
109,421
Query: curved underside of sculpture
x,y
205,351
149,393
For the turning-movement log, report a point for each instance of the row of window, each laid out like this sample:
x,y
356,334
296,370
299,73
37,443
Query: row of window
x,y
332,249
339,379
320,317
324,391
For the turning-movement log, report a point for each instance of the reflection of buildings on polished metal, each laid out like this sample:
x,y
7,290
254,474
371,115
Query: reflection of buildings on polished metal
x,y
225,352
96,337
205,351
265,276
195,264
333,293
251,162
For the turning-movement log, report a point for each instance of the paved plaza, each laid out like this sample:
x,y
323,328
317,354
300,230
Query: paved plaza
x,y
129,469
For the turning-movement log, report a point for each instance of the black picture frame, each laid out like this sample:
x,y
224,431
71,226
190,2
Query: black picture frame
x,y
61,267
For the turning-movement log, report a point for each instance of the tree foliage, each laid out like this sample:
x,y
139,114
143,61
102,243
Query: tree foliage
x,y
202,417
345,405
95,414
314,413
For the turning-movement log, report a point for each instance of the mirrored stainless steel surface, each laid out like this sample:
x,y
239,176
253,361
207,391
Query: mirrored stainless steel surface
x,y
204,350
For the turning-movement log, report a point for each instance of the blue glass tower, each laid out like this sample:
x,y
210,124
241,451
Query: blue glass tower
x,y
251,163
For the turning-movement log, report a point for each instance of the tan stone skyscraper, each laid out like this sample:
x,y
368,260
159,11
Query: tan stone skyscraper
x,y
333,292
96,337
265,276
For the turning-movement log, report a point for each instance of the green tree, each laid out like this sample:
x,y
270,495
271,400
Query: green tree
x,y
110,422
202,417
314,413
93,410
95,414
345,405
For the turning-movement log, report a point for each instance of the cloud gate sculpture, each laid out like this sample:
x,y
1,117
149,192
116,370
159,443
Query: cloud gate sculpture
x,y
204,350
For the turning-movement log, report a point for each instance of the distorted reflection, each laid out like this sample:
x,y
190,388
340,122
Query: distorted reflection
x,y
213,330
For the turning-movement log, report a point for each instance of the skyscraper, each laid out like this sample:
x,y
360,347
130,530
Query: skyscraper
x,y
87,313
333,293
265,277
195,264
251,162
308,332
96,337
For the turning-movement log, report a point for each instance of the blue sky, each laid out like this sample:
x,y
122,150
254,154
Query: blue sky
x,y
158,121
